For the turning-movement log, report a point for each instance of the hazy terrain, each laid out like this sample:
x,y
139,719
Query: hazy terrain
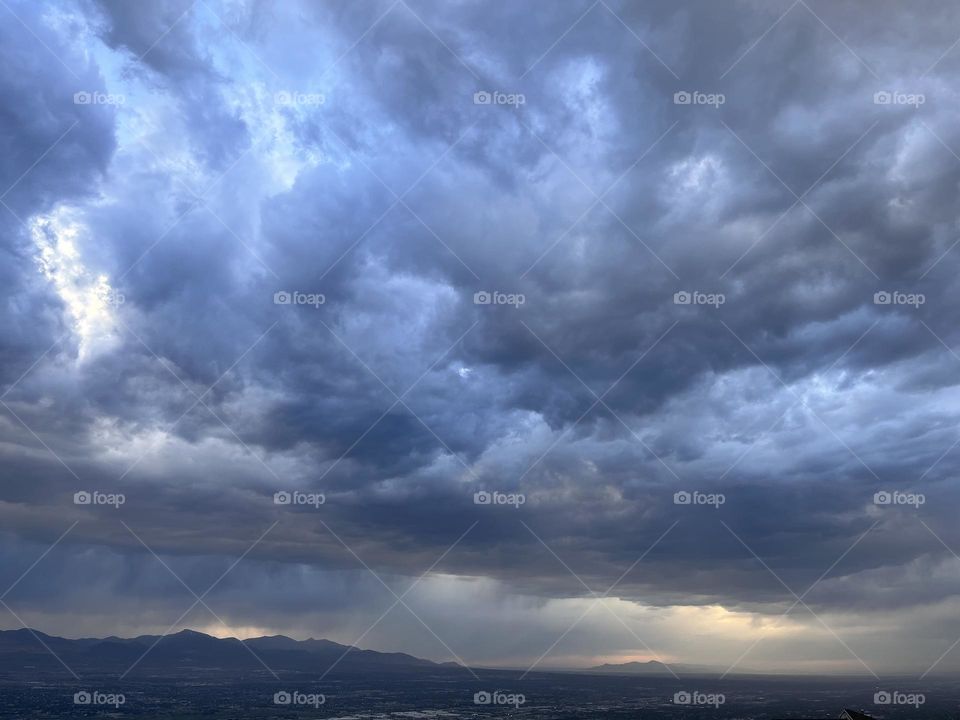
x,y
450,693
190,675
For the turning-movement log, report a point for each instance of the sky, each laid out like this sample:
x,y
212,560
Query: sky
x,y
518,334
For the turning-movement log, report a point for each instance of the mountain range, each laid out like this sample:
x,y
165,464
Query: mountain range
x,y
653,667
31,651
27,650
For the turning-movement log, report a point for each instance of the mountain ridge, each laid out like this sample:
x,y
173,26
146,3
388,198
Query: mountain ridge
x,y
657,668
187,648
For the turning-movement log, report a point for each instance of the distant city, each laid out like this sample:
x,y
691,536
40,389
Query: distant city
x,y
189,675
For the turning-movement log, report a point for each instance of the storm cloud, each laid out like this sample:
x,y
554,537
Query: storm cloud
x,y
682,277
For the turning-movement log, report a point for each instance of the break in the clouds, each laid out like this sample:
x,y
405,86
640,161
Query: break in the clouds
x,y
676,280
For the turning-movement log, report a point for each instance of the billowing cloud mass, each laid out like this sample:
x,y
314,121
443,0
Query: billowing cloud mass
x,y
680,277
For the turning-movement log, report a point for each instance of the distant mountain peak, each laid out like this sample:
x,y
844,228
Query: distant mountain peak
x,y
632,666
656,667
197,651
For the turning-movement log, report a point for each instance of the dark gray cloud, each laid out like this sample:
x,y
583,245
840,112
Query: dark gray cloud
x,y
338,150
